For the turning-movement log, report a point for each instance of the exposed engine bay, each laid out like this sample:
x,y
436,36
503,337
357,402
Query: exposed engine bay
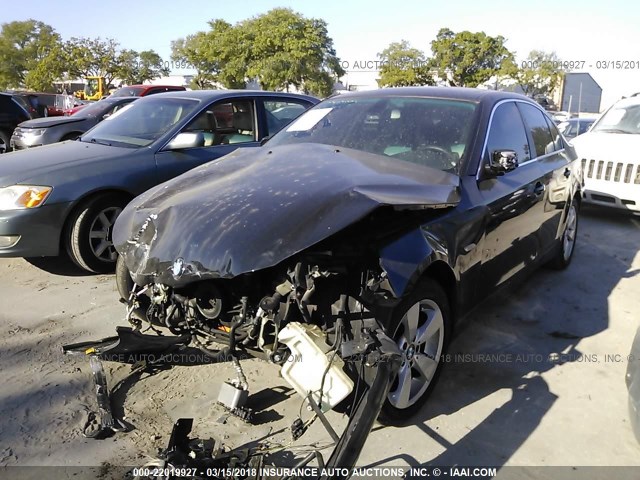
x,y
319,322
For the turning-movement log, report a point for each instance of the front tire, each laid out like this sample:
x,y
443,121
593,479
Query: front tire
x,y
89,242
421,327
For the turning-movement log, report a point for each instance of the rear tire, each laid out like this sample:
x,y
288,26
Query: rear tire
x,y
567,245
4,142
421,327
90,227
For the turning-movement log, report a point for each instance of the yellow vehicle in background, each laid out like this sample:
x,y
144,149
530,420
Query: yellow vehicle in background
x,y
94,89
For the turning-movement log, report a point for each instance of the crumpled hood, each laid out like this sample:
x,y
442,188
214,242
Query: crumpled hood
x,y
256,207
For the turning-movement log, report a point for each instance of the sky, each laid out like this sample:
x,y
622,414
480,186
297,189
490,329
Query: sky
x,y
587,31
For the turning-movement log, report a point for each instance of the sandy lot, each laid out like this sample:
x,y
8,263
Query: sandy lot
x,y
537,379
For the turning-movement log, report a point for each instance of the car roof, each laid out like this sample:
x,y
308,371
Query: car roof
x,y
152,86
210,95
477,95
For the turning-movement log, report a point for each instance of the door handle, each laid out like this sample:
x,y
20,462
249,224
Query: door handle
x,y
567,172
538,189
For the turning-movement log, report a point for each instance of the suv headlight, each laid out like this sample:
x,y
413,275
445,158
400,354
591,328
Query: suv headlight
x,y
18,197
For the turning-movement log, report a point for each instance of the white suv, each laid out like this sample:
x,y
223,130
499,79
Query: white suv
x,y
610,154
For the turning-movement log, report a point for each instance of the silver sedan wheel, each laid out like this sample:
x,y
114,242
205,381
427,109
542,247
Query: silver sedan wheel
x,y
420,336
100,234
569,237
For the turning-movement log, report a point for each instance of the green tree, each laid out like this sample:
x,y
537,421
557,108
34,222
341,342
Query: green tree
x,y
539,74
201,50
281,49
136,68
86,57
467,59
46,72
23,45
285,50
403,66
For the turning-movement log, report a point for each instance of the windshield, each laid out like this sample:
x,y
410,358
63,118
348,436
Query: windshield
x,y
620,119
141,123
128,92
95,109
428,131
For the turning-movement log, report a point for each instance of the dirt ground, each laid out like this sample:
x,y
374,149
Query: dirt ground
x,y
536,379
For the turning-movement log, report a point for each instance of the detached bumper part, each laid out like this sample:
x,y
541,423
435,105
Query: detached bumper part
x,y
127,347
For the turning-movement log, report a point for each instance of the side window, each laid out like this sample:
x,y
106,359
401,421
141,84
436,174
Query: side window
x,y
507,132
225,123
117,107
280,113
555,133
538,128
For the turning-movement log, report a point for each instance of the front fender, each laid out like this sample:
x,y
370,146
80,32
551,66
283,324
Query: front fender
x,y
405,259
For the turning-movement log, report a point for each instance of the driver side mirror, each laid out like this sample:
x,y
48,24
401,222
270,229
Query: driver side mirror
x,y
501,162
186,140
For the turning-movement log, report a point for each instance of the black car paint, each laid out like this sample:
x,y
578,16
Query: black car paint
x,y
77,170
494,230
11,114
262,192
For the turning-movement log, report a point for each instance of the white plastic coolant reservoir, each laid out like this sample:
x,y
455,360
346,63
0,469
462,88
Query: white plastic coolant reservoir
x,y
309,359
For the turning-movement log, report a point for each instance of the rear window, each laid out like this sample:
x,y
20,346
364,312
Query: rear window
x,y
128,92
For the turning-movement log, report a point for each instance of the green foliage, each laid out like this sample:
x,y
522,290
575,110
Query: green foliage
x,y
468,59
23,45
539,74
281,49
207,52
85,57
403,66
41,78
136,68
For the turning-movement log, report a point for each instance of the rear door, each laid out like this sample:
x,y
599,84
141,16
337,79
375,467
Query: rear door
x,y
276,113
514,200
225,125
554,165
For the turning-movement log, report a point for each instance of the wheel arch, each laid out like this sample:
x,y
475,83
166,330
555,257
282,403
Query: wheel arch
x,y
80,202
443,274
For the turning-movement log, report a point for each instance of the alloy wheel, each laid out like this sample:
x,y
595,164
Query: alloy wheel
x,y
100,234
420,336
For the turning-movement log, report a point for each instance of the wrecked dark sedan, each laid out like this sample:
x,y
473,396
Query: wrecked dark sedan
x,y
393,211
